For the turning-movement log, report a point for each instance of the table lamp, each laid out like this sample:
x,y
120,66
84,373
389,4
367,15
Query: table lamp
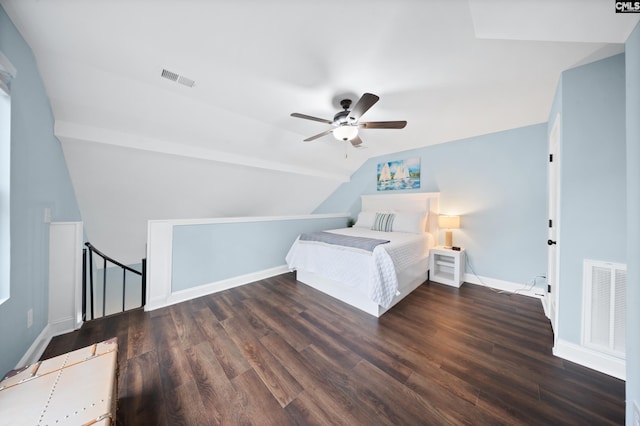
x,y
449,223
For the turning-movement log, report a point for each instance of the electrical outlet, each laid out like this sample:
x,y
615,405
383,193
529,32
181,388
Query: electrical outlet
x,y
29,318
636,414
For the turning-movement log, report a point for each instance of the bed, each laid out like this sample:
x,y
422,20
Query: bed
x,y
385,256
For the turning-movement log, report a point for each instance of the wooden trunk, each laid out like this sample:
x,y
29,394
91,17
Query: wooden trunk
x,y
77,388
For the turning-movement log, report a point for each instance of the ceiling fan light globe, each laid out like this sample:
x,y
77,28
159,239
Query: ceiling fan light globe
x,y
345,132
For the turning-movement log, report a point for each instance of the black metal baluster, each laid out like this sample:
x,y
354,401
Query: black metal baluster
x,y
144,281
91,279
124,286
104,287
84,284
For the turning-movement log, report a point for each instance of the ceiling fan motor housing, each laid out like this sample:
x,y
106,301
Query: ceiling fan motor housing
x,y
341,118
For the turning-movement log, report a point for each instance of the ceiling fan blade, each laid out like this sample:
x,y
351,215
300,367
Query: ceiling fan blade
x,y
383,124
309,117
319,135
365,102
356,141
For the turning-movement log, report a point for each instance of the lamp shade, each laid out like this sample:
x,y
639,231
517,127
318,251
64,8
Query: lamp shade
x,y
449,222
345,132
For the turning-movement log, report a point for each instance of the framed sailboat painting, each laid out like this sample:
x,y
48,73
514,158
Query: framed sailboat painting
x,y
402,174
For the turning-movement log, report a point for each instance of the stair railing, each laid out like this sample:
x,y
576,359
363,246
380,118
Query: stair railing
x,y
88,270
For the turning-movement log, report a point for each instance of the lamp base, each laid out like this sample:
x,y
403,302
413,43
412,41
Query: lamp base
x,y
448,239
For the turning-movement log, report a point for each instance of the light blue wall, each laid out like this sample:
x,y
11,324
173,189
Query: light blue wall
x,y
592,180
496,182
204,254
39,179
632,62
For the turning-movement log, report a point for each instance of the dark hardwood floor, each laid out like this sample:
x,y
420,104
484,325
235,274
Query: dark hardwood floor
x,y
277,352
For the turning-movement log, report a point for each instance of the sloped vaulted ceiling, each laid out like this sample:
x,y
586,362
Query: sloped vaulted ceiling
x,y
141,147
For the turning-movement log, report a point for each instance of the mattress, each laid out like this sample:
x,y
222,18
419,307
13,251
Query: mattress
x,y
375,273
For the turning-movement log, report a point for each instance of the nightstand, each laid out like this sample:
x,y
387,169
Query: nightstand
x,y
446,266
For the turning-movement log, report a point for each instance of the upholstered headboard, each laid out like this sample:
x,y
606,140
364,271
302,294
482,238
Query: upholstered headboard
x,y
405,203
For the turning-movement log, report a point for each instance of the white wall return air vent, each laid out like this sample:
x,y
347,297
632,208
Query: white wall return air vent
x,y
604,306
170,75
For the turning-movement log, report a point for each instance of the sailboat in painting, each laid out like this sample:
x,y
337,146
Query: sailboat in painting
x,y
385,173
403,174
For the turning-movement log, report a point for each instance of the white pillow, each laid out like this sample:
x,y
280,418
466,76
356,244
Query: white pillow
x,y
365,220
414,223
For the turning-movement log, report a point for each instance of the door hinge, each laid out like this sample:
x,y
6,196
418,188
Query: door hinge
x,y
549,288
551,158
550,223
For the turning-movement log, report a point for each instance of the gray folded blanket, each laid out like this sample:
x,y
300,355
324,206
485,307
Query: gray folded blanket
x,y
363,243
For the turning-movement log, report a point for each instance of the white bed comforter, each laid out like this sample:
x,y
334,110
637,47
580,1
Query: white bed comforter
x,y
373,273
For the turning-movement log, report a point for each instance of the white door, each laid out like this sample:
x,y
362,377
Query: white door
x,y
552,241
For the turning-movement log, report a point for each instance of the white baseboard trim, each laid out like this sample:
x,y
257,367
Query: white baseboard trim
x,y
41,342
206,289
590,358
62,326
545,307
506,286
37,348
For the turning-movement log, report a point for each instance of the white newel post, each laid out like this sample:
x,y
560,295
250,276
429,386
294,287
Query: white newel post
x,y
159,263
65,276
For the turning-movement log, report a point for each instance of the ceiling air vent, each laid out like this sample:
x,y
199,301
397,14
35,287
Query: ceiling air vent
x,y
177,78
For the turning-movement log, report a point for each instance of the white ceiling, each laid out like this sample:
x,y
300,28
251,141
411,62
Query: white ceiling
x,y
451,68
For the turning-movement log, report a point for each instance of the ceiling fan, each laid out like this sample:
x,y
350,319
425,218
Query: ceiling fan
x,y
346,122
